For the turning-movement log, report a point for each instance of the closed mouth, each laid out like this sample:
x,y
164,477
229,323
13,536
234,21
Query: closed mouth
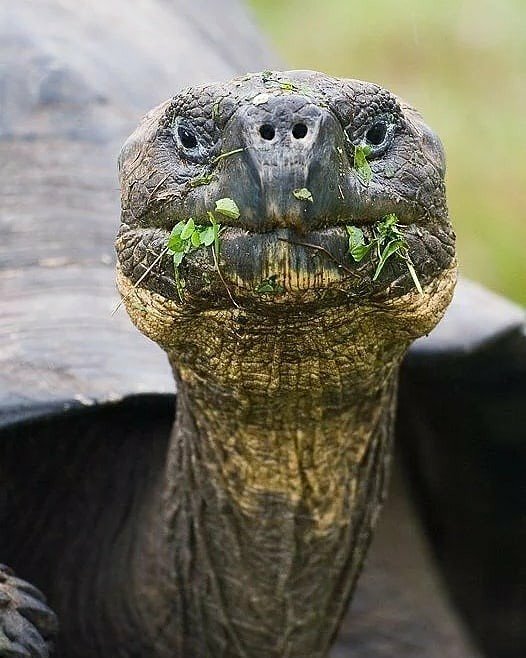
x,y
282,264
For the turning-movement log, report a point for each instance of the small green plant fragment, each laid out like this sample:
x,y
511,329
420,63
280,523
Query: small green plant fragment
x,y
187,230
362,166
201,180
226,155
207,236
357,247
189,236
270,286
272,78
227,207
195,239
303,194
215,110
391,248
215,233
388,241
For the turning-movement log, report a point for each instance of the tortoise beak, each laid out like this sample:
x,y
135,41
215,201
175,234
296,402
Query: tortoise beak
x,y
288,166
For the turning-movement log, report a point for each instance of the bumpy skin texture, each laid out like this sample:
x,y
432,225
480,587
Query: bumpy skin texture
x,y
27,625
156,175
278,460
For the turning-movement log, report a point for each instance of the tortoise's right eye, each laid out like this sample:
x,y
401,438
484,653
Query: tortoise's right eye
x,y
187,138
376,133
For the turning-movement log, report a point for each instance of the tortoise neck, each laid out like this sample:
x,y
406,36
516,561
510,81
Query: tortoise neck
x,y
274,480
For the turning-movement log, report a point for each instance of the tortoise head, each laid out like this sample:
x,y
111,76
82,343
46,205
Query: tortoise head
x,y
322,192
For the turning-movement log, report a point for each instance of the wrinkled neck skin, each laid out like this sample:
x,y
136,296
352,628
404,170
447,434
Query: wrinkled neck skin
x,y
275,472
270,504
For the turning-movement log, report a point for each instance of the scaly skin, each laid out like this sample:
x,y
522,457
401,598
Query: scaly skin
x,y
278,460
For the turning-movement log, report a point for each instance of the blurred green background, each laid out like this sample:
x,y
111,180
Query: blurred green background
x,y
462,63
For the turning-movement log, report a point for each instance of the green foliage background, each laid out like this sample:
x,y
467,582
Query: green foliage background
x,y
462,63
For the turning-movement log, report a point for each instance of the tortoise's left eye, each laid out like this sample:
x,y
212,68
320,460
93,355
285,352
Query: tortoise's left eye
x,y
376,134
187,138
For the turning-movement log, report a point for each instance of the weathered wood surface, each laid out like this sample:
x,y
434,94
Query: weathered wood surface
x,y
74,80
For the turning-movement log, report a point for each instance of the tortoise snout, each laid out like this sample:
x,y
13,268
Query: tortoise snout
x,y
285,144
299,130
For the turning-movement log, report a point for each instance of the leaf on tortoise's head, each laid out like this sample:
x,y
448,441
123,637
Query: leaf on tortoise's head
x,y
178,258
357,247
362,166
207,236
195,239
188,229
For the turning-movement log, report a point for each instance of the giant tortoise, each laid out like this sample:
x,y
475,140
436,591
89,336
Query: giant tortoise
x,y
243,531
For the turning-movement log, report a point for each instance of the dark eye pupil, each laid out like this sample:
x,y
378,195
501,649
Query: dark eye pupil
x,y
376,134
188,139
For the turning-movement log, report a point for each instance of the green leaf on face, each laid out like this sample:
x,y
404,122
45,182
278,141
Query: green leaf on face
x,y
188,229
178,258
355,235
195,239
363,168
303,194
388,240
389,225
227,207
201,180
270,286
177,229
175,243
357,247
207,236
216,226
391,248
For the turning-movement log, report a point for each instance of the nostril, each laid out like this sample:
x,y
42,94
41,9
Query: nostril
x,y
267,131
299,131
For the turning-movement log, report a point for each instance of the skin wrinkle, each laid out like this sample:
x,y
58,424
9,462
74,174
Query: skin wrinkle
x,y
279,456
240,468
